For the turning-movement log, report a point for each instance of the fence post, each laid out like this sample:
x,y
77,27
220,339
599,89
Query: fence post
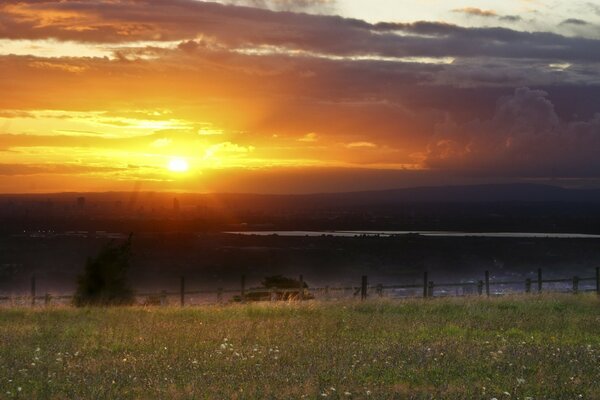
x,y
380,290
32,290
598,280
243,292
327,292
575,284
163,298
363,288
219,295
425,283
487,283
301,291
47,299
528,285
480,288
430,289
182,291
539,280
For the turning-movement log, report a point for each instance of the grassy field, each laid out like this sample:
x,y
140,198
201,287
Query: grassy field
x,y
510,348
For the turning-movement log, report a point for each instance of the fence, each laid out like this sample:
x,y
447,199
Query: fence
x,y
426,289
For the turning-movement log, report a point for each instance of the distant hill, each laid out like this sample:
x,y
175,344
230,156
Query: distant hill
x,y
496,193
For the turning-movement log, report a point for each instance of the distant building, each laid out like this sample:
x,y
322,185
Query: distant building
x,y
81,202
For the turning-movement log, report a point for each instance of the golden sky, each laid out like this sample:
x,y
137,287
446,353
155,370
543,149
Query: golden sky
x,y
294,96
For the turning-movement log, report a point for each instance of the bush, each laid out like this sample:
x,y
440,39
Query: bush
x,y
282,282
104,281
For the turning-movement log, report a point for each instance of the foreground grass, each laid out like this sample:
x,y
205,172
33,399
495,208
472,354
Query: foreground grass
x,y
517,348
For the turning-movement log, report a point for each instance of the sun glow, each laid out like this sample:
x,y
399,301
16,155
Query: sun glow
x,y
178,164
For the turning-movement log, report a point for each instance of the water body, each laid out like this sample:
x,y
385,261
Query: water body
x,y
421,233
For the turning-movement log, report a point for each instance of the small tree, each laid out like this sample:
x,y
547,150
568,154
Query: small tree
x,y
104,281
282,282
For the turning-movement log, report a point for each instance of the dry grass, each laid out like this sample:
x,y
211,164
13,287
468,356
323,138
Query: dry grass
x,y
511,348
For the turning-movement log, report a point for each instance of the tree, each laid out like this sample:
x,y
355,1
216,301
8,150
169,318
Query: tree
x,y
282,282
104,281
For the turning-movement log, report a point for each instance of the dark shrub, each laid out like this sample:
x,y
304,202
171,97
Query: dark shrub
x,y
282,282
104,281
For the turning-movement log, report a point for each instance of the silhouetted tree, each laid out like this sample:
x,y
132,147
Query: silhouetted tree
x,y
104,281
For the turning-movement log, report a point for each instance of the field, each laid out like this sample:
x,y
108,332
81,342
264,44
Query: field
x,y
535,347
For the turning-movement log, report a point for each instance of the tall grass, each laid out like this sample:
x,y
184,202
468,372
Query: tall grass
x,y
545,347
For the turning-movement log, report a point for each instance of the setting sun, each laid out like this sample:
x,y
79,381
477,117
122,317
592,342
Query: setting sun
x,y
178,164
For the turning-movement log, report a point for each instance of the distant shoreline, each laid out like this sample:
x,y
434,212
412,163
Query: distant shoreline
x,y
420,233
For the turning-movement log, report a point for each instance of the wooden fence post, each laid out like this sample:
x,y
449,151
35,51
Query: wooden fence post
x,y
539,280
363,288
430,289
32,290
528,285
380,290
425,283
243,292
301,292
487,283
219,295
480,288
575,284
182,292
47,299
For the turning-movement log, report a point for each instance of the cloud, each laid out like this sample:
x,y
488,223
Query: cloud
x,y
68,169
574,21
309,138
355,145
510,18
524,138
477,12
289,5
251,29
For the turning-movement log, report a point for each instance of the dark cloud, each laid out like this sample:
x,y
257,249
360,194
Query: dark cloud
x,y
510,18
245,27
477,12
574,21
524,138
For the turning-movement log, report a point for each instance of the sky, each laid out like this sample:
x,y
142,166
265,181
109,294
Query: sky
x,y
297,96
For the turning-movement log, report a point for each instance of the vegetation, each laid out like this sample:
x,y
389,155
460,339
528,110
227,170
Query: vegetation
x,y
536,347
282,282
104,281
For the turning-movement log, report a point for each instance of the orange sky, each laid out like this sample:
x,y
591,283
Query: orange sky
x,y
98,96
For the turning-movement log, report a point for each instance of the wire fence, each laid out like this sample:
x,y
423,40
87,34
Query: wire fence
x,y
427,289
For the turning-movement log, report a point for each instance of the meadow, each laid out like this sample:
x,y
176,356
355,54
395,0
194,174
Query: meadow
x,y
525,347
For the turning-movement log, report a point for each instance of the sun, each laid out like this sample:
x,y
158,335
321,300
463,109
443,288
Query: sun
x,y
178,164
